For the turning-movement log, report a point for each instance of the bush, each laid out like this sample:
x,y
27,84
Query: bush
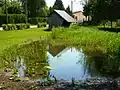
x,y
21,26
118,23
39,25
8,27
36,20
12,18
5,27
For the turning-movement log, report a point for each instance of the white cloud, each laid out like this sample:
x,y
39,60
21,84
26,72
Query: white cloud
x,y
76,6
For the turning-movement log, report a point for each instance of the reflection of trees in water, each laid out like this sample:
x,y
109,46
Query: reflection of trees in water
x,y
104,64
34,55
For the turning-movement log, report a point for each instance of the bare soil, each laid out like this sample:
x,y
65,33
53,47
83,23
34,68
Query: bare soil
x,y
7,84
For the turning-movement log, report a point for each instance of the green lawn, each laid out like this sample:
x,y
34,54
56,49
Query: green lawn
x,y
9,38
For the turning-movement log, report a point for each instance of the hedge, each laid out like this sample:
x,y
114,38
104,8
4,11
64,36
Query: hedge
x,y
12,18
21,26
39,25
36,20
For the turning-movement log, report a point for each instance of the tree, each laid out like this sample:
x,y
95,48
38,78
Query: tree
x,y
58,5
35,8
102,10
68,10
14,8
1,3
51,10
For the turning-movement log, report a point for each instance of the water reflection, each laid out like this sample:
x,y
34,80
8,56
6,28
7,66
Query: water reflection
x,y
68,64
104,64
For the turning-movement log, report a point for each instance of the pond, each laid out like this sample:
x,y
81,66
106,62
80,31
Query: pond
x,y
34,61
67,63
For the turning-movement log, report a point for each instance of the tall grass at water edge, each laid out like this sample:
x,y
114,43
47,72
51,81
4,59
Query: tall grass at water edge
x,y
89,38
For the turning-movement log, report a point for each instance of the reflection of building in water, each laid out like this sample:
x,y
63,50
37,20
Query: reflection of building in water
x,y
57,50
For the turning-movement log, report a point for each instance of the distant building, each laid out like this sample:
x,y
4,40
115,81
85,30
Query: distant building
x,y
60,18
79,17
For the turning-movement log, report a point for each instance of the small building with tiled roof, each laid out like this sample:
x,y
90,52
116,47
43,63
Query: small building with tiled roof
x,y
60,18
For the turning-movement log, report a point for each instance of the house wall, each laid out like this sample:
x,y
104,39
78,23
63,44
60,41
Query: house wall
x,y
55,20
79,16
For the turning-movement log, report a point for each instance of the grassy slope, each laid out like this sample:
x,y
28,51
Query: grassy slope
x,y
8,38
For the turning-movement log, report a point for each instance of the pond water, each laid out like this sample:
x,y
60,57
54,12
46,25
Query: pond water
x,y
35,62
64,62
67,64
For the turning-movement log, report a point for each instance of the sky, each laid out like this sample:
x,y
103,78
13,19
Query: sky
x,y
76,5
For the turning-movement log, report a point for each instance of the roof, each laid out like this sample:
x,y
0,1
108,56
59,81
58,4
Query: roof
x,y
55,50
65,15
77,12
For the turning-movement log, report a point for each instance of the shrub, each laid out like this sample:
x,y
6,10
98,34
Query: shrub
x,y
20,26
8,27
39,25
5,27
36,20
12,18
118,23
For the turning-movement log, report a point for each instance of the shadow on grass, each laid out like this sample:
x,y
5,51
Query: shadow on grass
x,y
116,30
48,30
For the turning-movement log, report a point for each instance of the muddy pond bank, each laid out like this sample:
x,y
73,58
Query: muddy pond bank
x,y
6,83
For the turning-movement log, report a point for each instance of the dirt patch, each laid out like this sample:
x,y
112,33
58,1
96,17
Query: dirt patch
x,y
7,84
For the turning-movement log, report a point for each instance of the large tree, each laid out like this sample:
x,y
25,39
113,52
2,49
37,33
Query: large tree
x,y
102,10
35,8
12,7
58,5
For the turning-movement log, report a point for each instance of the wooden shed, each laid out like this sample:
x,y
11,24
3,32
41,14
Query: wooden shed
x,y
60,18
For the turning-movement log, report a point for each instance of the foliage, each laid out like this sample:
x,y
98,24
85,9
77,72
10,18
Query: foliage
x,y
50,10
13,7
39,25
33,54
22,26
12,18
88,37
38,9
102,10
8,27
68,10
58,5
1,3
36,20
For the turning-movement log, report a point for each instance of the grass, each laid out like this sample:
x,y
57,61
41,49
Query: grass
x,y
97,45
9,38
90,38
